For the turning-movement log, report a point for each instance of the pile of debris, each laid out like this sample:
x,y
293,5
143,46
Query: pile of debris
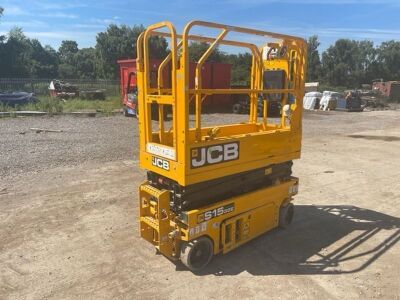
x,y
350,100
61,89
373,100
329,100
65,90
388,89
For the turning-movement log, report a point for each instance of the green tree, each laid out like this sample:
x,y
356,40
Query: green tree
x,y
158,47
66,71
350,63
119,42
314,62
24,57
368,61
42,61
13,62
85,62
67,50
2,38
241,67
341,64
388,58
241,62
197,49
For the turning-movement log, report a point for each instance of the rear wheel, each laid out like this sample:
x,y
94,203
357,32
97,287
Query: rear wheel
x,y
197,253
286,214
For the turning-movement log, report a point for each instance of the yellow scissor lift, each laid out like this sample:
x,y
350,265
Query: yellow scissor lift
x,y
211,189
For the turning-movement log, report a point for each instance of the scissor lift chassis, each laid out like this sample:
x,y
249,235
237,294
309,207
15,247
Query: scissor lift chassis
x,y
225,225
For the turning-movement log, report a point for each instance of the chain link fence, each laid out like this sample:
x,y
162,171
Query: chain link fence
x,y
41,86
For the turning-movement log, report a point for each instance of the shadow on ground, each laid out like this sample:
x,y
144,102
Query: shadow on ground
x,y
321,240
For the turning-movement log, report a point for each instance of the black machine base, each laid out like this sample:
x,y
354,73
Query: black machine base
x,y
204,193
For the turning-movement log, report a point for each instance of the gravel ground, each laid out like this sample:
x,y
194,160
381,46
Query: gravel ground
x,y
83,140
104,139
69,216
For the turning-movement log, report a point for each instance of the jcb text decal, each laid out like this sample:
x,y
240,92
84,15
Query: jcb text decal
x,y
160,163
204,156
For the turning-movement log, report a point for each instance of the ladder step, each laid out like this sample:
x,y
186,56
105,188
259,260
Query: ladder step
x,y
153,223
151,190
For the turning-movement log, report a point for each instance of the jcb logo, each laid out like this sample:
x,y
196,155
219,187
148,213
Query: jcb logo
x,y
160,163
214,154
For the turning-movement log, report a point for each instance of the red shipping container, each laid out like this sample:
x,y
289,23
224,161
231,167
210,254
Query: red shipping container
x,y
214,75
205,77
221,79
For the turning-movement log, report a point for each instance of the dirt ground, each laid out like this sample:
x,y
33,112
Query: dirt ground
x,y
69,217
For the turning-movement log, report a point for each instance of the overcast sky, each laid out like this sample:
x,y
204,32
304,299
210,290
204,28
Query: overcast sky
x,y
54,21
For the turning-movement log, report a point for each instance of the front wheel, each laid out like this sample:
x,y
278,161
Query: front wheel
x,y
196,254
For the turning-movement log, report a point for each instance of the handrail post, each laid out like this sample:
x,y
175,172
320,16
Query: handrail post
x,y
146,85
198,80
162,66
160,80
255,84
142,94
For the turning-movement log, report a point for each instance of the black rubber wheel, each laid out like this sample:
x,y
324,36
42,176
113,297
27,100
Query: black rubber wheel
x,y
286,214
236,108
196,254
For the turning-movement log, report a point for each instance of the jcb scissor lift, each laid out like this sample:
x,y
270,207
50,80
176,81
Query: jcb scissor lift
x,y
211,189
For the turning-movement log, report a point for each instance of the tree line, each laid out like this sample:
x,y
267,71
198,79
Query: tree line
x,y
350,63
347,63
25,57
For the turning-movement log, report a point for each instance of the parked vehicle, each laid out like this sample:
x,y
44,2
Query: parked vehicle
x,y
242,106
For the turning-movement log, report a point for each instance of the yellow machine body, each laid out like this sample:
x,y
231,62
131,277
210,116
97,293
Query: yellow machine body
x,y
183,158
228,223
